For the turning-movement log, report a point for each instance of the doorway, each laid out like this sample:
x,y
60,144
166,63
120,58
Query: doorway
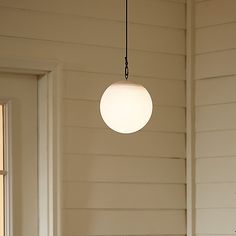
x,y
18,94
31,153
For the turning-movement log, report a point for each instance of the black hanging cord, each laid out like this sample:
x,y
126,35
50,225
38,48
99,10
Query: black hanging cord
x,y
126,40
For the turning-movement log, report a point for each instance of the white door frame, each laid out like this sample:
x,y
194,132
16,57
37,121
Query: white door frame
x,y
49,138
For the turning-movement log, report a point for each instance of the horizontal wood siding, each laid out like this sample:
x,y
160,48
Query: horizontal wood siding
x,y
138,222
90,86
112,184
108,168
216,64
87,114
216,91
211,195
88,57
224,117
216,38
216,143
216,221
211,13
167,13
124,196
71,29
104,141
216,170
215,117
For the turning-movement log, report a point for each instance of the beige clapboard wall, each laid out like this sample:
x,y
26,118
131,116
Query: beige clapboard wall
x,y
112,184
215,117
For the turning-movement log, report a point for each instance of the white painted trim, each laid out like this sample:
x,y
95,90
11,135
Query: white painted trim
x,y
32,66
8,166
49,153
190,119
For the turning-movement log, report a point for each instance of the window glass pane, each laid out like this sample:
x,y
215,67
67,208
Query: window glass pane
x,y
1,206
1,137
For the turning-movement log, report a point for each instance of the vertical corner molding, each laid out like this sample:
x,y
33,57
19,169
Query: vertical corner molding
x,y
49,96
190,117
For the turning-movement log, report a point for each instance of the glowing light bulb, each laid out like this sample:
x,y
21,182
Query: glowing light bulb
x,y
126,107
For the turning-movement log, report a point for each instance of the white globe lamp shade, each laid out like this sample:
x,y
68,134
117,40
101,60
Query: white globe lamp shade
x,y
126,107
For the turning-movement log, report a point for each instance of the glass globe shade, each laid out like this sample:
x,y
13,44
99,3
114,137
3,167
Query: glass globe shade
x,y
126,107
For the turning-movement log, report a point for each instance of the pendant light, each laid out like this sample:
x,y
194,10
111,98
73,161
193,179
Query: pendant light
x,y
126,107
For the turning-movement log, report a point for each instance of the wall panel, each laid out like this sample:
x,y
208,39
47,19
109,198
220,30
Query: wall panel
x,y
216,170
104,33
216,64
155,12
90,86
123,196
216,117
88,58
216,221
217,143
209,13
215,56
100,141
102,168
216,91
216,195
123,222
87,114
216,38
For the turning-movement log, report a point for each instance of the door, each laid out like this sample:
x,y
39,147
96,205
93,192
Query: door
x,y
18,93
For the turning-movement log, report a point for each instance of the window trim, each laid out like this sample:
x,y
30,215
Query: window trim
x,y
7,163
7,166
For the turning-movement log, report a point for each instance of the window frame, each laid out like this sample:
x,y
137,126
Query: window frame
x,y
6,107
